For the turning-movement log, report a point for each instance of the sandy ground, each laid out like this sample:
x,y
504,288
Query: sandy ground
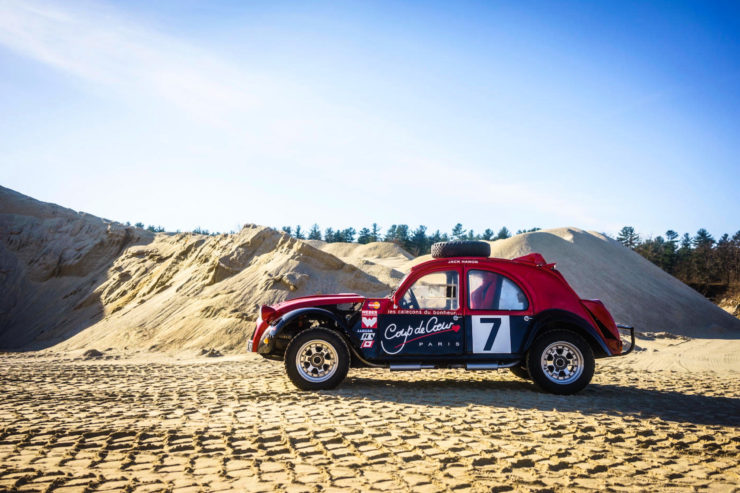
x,y
152,422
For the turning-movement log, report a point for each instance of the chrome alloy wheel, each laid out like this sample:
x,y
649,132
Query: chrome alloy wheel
x,y
317,360
562,362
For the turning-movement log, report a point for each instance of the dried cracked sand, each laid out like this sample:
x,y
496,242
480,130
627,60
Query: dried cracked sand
x,y
153,423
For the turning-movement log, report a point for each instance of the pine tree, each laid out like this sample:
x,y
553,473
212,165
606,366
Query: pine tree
x,y
364,236
375,233
419,240
436,238
390,235
287,230
458,233
329,235
402,235
703,239
299,233
398,234
487,235
503,234
703,255
724,258
346,235
670,249
314,233
628,237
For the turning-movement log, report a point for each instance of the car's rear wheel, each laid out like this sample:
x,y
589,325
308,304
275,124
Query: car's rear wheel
x,y
521,372
561,362
317,359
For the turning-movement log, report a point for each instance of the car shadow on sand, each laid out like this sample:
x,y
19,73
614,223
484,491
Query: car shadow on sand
x,y
596,398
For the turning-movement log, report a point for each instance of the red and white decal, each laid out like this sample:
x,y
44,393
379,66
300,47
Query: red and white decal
x,y
367,344
367,336
369,319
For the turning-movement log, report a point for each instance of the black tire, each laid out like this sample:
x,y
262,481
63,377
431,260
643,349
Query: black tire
x,y
562,348
447,249
331,352
521,372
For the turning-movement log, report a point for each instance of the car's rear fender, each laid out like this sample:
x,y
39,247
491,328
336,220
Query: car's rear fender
x,y
561,319
277,337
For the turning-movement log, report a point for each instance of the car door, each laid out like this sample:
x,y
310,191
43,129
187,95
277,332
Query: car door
x,y
427,318
498,313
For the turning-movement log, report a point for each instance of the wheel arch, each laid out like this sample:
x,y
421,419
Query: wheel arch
x,y
561,319
296,321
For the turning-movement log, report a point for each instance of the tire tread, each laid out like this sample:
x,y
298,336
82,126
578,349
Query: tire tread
x,y
342,352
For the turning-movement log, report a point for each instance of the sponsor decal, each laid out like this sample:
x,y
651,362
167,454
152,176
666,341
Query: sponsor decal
x,y
374,305
365,331
397,338
430,344
370,322
367,344
405,311
368,336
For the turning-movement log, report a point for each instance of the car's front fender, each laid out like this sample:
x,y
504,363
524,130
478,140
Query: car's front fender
x,y
276,338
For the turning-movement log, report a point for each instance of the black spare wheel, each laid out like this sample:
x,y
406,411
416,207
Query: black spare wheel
x,y
447,249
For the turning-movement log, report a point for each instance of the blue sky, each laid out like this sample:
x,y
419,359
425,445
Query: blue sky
x,y
517,114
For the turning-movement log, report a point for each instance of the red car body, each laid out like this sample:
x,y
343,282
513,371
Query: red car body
x,y
446,337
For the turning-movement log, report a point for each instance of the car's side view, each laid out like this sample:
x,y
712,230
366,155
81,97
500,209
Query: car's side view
x,y
461,309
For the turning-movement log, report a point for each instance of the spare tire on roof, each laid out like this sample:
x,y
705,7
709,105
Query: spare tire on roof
x,y
446,249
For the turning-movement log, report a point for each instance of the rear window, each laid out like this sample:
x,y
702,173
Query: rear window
x,y
492,291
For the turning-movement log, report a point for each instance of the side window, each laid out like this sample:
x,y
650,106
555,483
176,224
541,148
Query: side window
x,y
492,291
435,291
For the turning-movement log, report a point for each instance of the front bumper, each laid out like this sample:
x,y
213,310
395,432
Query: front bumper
x,y
632,338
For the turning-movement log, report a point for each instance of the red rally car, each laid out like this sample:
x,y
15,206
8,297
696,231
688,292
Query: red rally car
x,y
460,310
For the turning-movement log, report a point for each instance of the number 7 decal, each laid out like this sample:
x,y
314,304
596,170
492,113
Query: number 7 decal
x,y
494,330
491,334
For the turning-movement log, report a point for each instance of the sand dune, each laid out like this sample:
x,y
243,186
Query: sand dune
x,y
385,261
73,280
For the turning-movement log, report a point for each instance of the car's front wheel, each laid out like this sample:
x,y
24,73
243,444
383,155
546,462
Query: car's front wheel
x,y
561,362
317,359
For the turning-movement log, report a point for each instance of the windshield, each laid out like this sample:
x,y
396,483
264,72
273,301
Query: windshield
x,y
403,280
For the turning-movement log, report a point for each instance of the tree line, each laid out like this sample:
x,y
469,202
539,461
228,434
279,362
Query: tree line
x,y
417,241
699,260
